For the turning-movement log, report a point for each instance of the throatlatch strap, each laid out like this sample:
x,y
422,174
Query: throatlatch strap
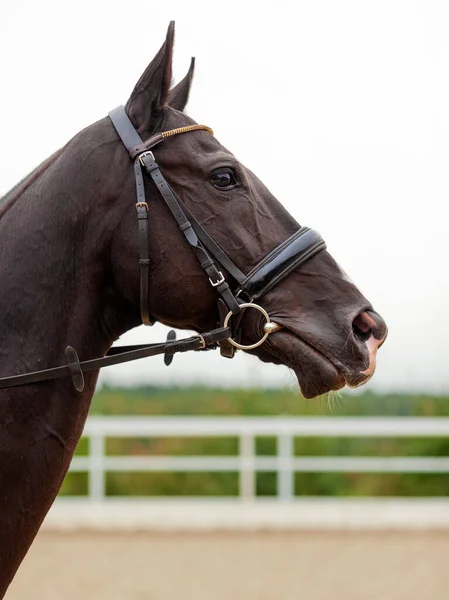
x,y
131,139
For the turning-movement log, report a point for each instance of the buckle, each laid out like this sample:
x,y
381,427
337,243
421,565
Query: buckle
x,y
142,205
215,283
148,153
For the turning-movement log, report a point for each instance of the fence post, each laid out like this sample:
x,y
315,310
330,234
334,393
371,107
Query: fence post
x,y
285,467
247,466
96,467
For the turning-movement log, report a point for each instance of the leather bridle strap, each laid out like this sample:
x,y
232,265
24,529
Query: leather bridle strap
x,y
140,152
216,277
220,256
291,254
116,356
131,139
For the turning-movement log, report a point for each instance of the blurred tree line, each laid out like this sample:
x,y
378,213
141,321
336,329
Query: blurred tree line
x,y
265,402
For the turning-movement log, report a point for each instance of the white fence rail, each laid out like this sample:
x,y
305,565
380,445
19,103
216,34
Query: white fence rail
x,y
247,463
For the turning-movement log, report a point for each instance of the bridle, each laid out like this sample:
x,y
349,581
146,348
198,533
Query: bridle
x,y
288,255
277,264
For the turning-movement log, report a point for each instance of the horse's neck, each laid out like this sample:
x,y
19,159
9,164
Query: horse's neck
x,y
50,297
48,279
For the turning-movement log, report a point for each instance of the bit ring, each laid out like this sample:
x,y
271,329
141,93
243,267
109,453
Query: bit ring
x,y
265,335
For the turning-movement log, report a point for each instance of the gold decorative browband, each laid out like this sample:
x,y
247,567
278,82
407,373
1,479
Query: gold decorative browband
x,y
166,134
160,137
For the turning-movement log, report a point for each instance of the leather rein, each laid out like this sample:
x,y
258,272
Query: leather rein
x,y
277,264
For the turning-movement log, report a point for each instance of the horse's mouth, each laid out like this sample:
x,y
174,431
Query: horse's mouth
x,y
315,372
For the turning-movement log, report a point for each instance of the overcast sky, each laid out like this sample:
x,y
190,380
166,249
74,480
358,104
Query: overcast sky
x,y
348,99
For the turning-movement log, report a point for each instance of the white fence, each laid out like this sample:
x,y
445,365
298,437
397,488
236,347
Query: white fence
x,y
246,463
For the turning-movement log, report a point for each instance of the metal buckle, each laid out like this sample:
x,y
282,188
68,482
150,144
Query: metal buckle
x,y
214,284
142,205
148,153
269,327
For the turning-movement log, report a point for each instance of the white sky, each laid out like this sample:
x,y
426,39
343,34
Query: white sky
x,y
349,100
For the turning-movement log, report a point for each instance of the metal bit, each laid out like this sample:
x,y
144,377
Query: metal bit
x,y
272,327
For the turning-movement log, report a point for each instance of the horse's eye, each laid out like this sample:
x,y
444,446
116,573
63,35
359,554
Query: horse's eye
x,y
223,179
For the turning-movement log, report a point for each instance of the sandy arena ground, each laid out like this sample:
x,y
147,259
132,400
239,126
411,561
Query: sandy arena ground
x,y
234,566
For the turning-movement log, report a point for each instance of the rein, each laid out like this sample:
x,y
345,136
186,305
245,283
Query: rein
x,y
277,264
116,356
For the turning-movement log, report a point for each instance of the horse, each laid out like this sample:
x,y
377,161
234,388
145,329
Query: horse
x,y
79,269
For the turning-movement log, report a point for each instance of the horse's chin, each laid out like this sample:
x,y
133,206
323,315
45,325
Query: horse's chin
x,y
316,374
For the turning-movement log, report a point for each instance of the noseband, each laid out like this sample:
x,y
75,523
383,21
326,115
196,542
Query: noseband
x,y
277,264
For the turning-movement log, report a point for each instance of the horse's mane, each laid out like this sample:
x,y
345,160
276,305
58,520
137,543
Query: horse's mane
x,y
10,198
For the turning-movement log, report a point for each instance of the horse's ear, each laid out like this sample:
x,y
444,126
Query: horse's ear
x,y
151,92
179,95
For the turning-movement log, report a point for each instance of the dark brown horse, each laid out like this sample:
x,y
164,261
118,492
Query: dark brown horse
x,y
70,275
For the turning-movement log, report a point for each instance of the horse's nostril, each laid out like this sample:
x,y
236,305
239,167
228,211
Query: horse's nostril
x,y
363,326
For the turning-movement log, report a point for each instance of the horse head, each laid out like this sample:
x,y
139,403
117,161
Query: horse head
x,y
330,332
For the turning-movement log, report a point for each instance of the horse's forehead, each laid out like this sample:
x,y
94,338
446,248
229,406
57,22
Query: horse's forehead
x,y
175,119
